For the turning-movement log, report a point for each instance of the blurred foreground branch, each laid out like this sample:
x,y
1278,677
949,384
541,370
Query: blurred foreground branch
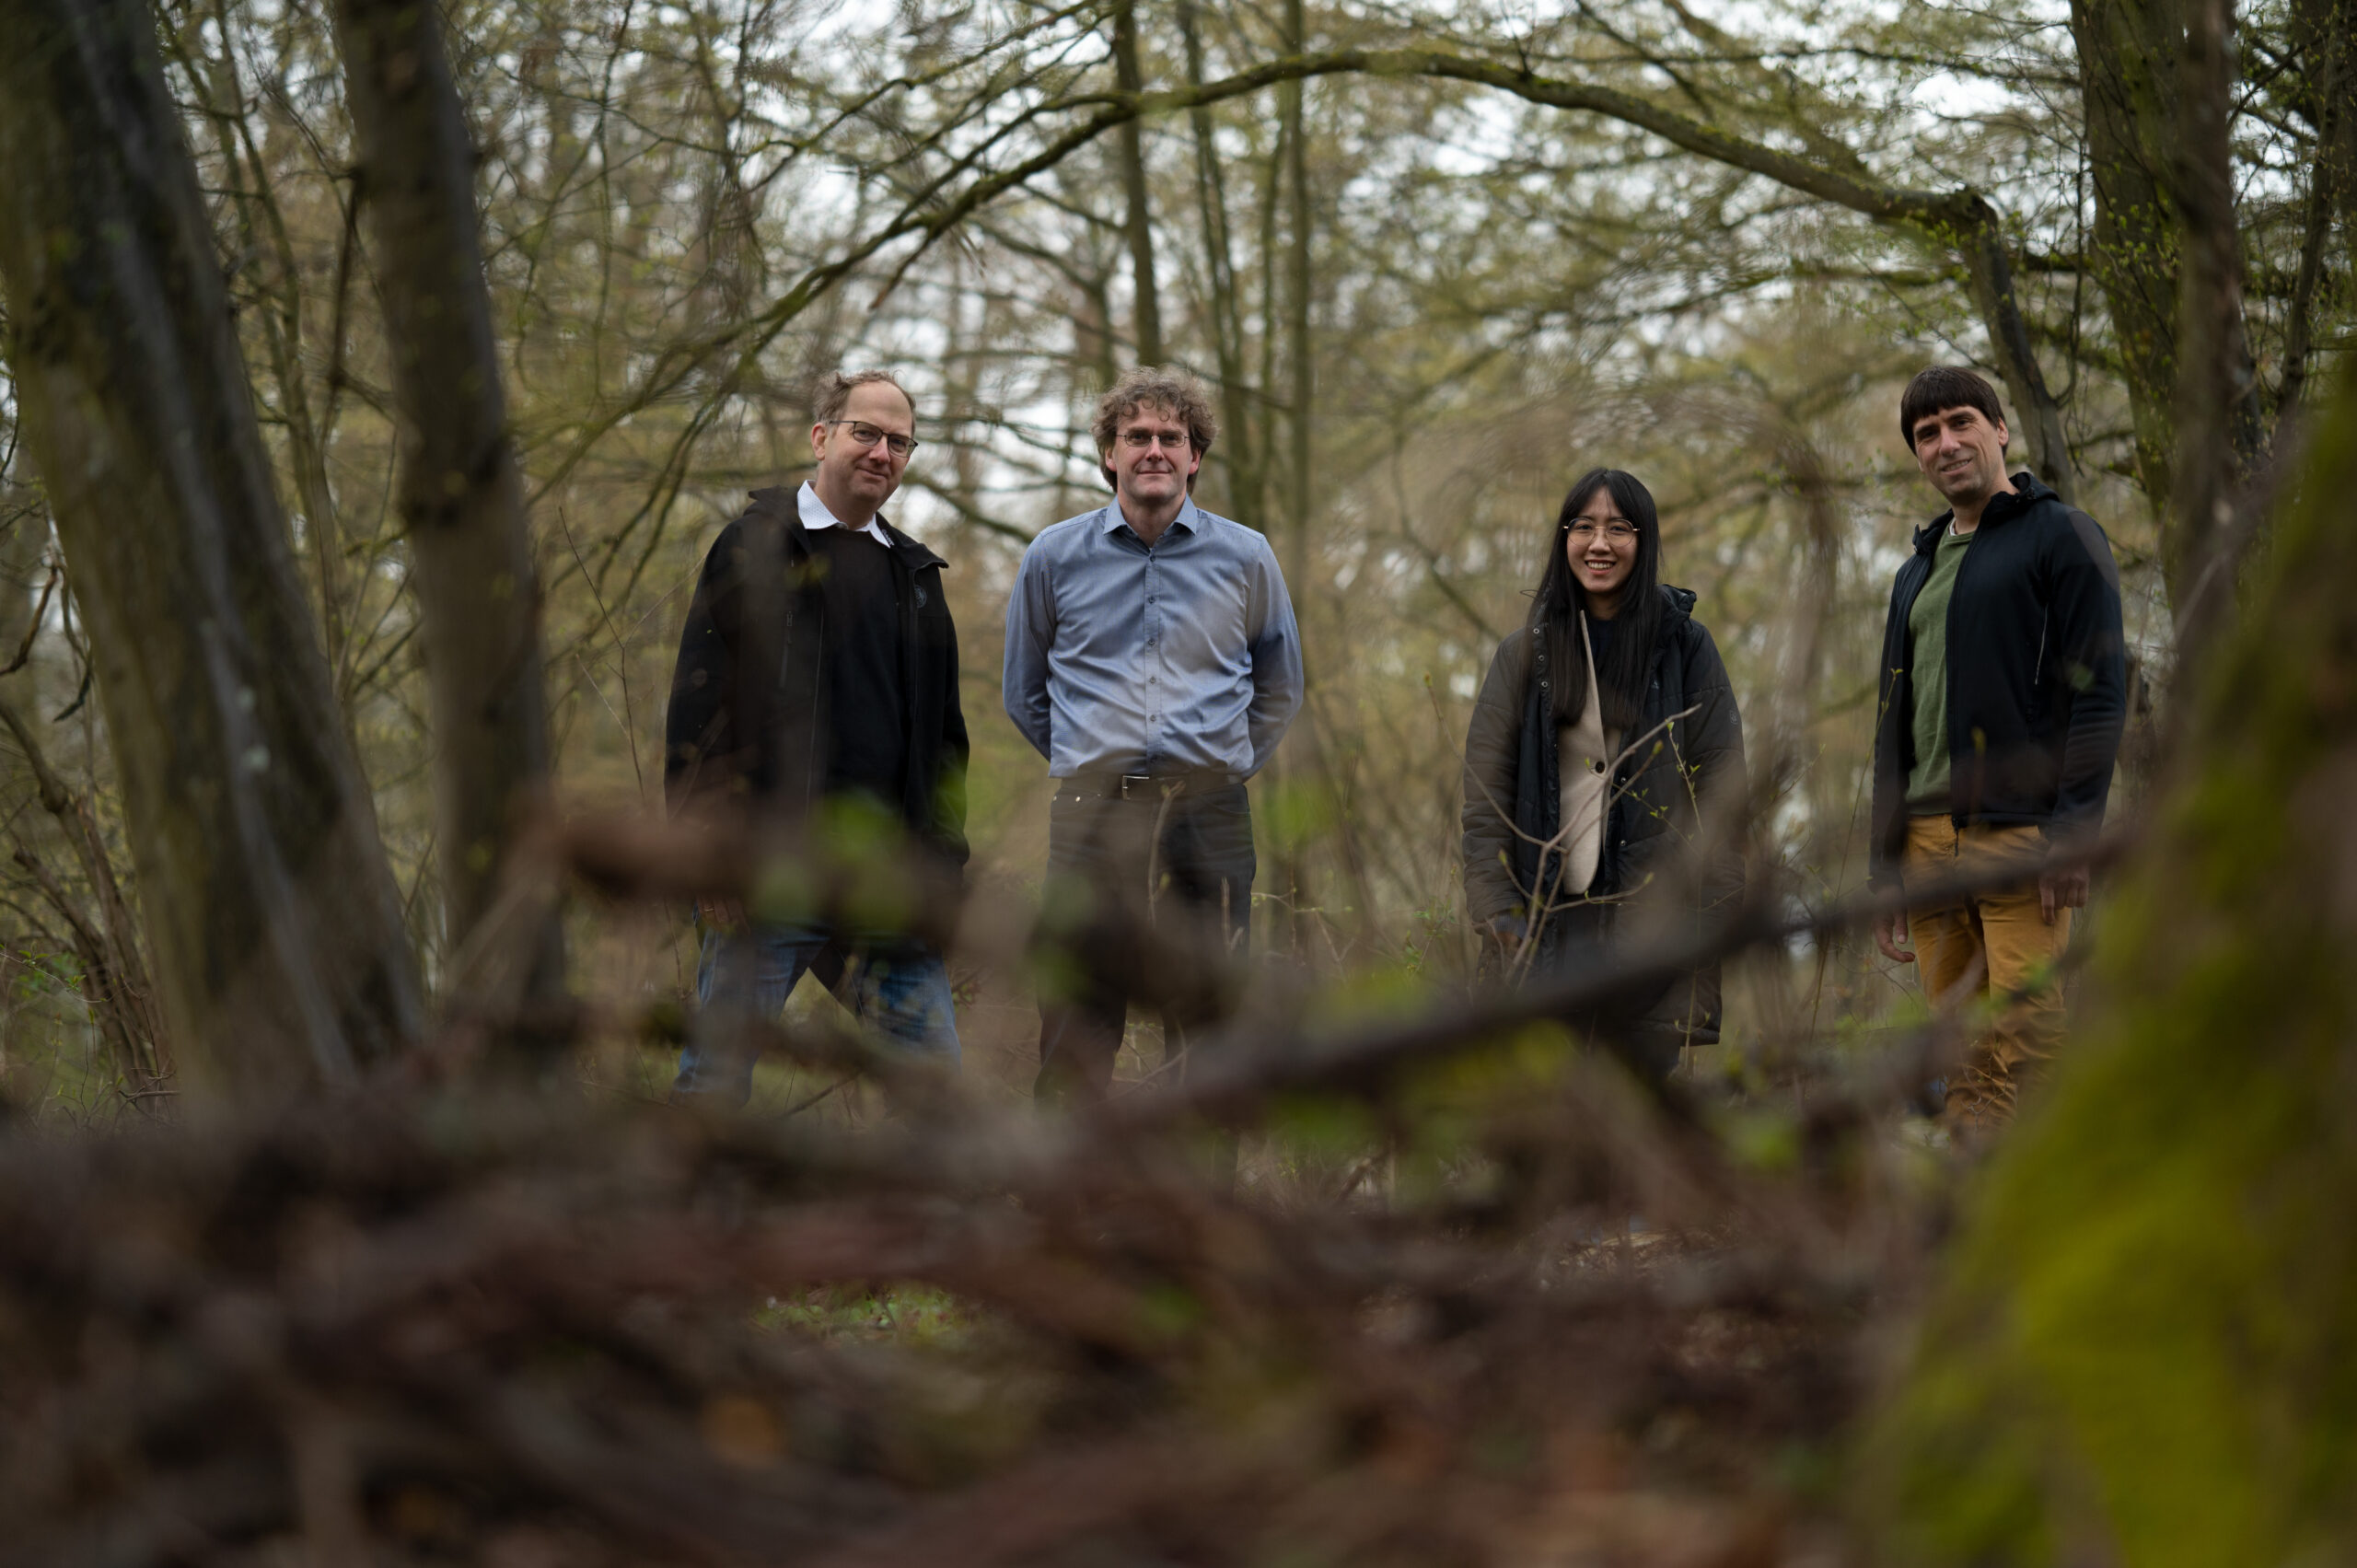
x,y
436,1322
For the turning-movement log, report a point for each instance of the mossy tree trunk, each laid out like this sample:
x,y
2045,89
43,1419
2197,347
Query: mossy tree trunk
x,y
2155,83
2141,1353
2128,92
276,929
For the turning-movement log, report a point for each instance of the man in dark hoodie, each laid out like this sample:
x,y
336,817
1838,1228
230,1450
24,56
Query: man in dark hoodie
x,y
818,683
2002,684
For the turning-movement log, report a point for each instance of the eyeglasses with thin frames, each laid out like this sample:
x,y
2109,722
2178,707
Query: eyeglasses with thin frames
x,y
868,435
1139,440
1620,530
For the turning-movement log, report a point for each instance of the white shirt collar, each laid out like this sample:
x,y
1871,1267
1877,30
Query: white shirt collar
x,y
815,516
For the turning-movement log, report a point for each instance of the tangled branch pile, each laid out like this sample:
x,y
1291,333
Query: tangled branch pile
x,y
514,1328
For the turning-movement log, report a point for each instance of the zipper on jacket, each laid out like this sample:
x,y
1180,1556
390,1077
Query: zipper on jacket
x,y
1947,652
818,705
817,674
907,599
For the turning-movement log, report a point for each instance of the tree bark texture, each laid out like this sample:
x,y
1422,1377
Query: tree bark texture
x,y
121,996
1292,872
276,929
1146,310
1299,223
2216,394
2037,418
1226,305
2324,34
459,494
2129,91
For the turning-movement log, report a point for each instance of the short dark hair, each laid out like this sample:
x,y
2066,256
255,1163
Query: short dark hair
x,y
1166,388
835,395
1940,389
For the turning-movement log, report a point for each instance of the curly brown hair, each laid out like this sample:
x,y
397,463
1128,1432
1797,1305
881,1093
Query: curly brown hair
x,y
1166,388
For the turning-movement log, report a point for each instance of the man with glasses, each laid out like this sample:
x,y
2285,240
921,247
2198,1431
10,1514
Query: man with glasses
x,y
1151,658
817,683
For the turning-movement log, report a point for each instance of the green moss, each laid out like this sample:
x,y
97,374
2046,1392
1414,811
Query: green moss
x,y
2139,1347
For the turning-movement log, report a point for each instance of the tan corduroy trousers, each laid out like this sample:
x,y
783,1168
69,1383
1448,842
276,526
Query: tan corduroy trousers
x,y
1992,952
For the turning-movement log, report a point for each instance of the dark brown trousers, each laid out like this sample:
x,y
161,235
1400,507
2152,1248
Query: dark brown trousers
x,y
1148,900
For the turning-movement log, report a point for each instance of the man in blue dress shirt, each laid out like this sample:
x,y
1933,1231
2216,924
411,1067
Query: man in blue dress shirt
x,y
1151,658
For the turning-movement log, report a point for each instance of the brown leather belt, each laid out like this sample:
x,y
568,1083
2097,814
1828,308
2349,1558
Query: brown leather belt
x,y
1141,786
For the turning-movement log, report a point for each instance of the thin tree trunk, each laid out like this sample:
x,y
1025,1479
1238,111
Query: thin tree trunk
x,y
461,495
962,377
116,1004
1298,344
1302,394
1146,307
1093,324
1225,306
2217,425
282,320
276,929
121,986
1271,194
2037,414
2299,338
115,971
2322,36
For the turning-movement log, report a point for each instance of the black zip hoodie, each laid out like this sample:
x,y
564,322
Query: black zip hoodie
x,y
748,712
2036,675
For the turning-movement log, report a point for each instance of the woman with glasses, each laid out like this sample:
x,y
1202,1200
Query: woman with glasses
x,y
1604,780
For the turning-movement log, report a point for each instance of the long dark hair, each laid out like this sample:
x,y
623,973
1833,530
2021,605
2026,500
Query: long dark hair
x,y
1554,611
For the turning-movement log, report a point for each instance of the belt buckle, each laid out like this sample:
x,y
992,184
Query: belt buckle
x,y
1143,781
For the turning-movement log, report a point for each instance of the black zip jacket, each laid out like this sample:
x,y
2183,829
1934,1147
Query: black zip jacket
x,y
2036,676
1691,769
748,722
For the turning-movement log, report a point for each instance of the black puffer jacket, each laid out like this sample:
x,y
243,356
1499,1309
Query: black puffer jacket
x,y
1655,876
748,720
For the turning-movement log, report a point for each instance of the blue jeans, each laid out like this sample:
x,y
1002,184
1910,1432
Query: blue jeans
x,y
903,990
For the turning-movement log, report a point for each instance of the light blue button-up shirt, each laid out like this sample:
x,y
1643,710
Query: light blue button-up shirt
x,y
1129,659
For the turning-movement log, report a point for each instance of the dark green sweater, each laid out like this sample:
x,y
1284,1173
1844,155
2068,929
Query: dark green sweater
x,y
1927,633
